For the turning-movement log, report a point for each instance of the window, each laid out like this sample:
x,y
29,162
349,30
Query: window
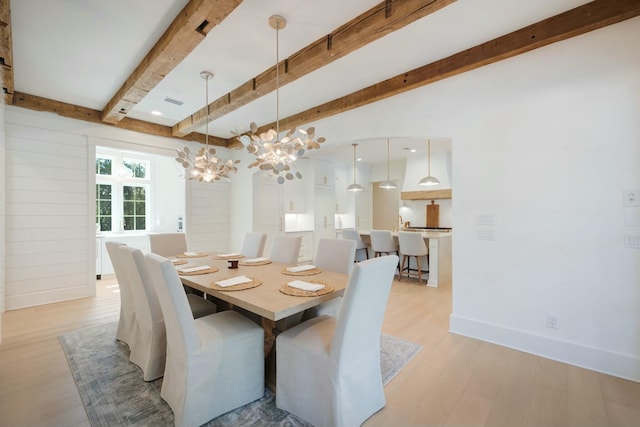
x,y
122,192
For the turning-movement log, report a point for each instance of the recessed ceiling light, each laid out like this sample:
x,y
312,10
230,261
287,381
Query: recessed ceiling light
x,y
412,150
359,159
156,113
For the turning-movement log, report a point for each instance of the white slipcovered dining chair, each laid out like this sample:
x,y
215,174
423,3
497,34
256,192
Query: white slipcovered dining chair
x,y
149,350
168,244
352,233
412,245
285,249
253,244
332,255
328,369
127,320
215,363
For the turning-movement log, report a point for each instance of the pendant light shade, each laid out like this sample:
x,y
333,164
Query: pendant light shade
x,y
429,180
388,184
355,186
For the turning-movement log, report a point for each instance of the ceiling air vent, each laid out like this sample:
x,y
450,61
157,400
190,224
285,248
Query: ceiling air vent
x,y
173,101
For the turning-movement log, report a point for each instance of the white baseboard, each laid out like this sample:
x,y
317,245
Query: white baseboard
x,y
607,362
31,299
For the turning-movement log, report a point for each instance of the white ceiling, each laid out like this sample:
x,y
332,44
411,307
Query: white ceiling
x,y
81,52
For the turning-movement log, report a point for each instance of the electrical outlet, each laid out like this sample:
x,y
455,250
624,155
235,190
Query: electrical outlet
x,y
631,197
632,241
552,321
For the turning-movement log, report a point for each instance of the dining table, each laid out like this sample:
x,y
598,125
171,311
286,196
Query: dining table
x,y
268,294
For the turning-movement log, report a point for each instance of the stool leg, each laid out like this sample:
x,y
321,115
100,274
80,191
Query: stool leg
x,y
419,270
404,259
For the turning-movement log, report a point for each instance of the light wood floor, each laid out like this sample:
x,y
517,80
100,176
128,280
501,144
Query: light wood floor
x,y
453,381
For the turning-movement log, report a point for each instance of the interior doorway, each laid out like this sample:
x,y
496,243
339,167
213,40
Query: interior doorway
x,y
386,207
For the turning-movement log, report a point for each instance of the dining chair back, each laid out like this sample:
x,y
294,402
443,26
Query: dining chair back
x,y
168,244
345,353
335,255
352,233
253,244
214,363
150,343
382,242
285,249
127,319
412,244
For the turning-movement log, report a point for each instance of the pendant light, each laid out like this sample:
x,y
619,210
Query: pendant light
x,y
274,154
355,186
429,180
205,166
388,184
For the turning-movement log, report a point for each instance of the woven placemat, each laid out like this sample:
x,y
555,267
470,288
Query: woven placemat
x,y
265,262
302,273
179,262
195,273
286,289
191,256
239,287
229,257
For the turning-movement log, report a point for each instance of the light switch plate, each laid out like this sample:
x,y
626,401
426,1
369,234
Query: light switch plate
x,y
485,219
486,234
631,197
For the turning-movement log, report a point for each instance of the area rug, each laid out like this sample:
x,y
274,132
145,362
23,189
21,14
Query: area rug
x,y
114,393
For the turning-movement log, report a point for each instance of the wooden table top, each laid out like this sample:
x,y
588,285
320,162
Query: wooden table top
x,y
265,300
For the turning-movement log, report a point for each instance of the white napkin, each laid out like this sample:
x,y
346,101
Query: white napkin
x,y
305,286
259,259
175,260
234,281
193,269
191,253
229,254
300,268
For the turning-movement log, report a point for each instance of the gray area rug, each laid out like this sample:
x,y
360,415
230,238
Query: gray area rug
x,y
114,393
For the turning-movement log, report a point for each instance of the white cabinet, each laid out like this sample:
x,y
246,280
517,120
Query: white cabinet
x,y
324,173
324,213
342,205
306,245
294,194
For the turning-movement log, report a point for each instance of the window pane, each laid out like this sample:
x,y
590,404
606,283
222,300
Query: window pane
x,y
127,192
105,223
140,208
128,223
139,168
105,208
128,208
103,166
140,223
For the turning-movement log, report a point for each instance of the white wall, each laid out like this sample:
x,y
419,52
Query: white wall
x,y
549,163
2,212
50,205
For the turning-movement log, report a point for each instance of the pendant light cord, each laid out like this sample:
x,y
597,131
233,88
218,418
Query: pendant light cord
x,y
429,157
277,82
387,159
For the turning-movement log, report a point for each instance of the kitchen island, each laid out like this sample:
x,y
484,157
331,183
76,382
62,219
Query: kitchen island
x,y
439,244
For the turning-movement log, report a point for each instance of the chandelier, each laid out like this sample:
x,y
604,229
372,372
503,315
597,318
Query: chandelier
x,y
205,165
278,156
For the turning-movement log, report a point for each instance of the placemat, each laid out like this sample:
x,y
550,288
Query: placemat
x,y
265,262
239,287
179,262
192,256
195,273
229,257
286,289
302,273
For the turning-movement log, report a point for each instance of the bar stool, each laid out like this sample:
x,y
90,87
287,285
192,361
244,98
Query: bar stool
x,y
412,245
382,243
352,234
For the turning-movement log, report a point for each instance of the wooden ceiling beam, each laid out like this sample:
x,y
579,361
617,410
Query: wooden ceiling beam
x,y
383,19
71,111
585,18
186,31
6,52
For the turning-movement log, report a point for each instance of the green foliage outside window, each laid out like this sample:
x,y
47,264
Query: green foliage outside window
x,y
134,207
139,169
103,206
103,166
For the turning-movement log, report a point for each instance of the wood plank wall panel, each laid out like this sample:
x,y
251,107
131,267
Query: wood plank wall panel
x,y
208,216
48,248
